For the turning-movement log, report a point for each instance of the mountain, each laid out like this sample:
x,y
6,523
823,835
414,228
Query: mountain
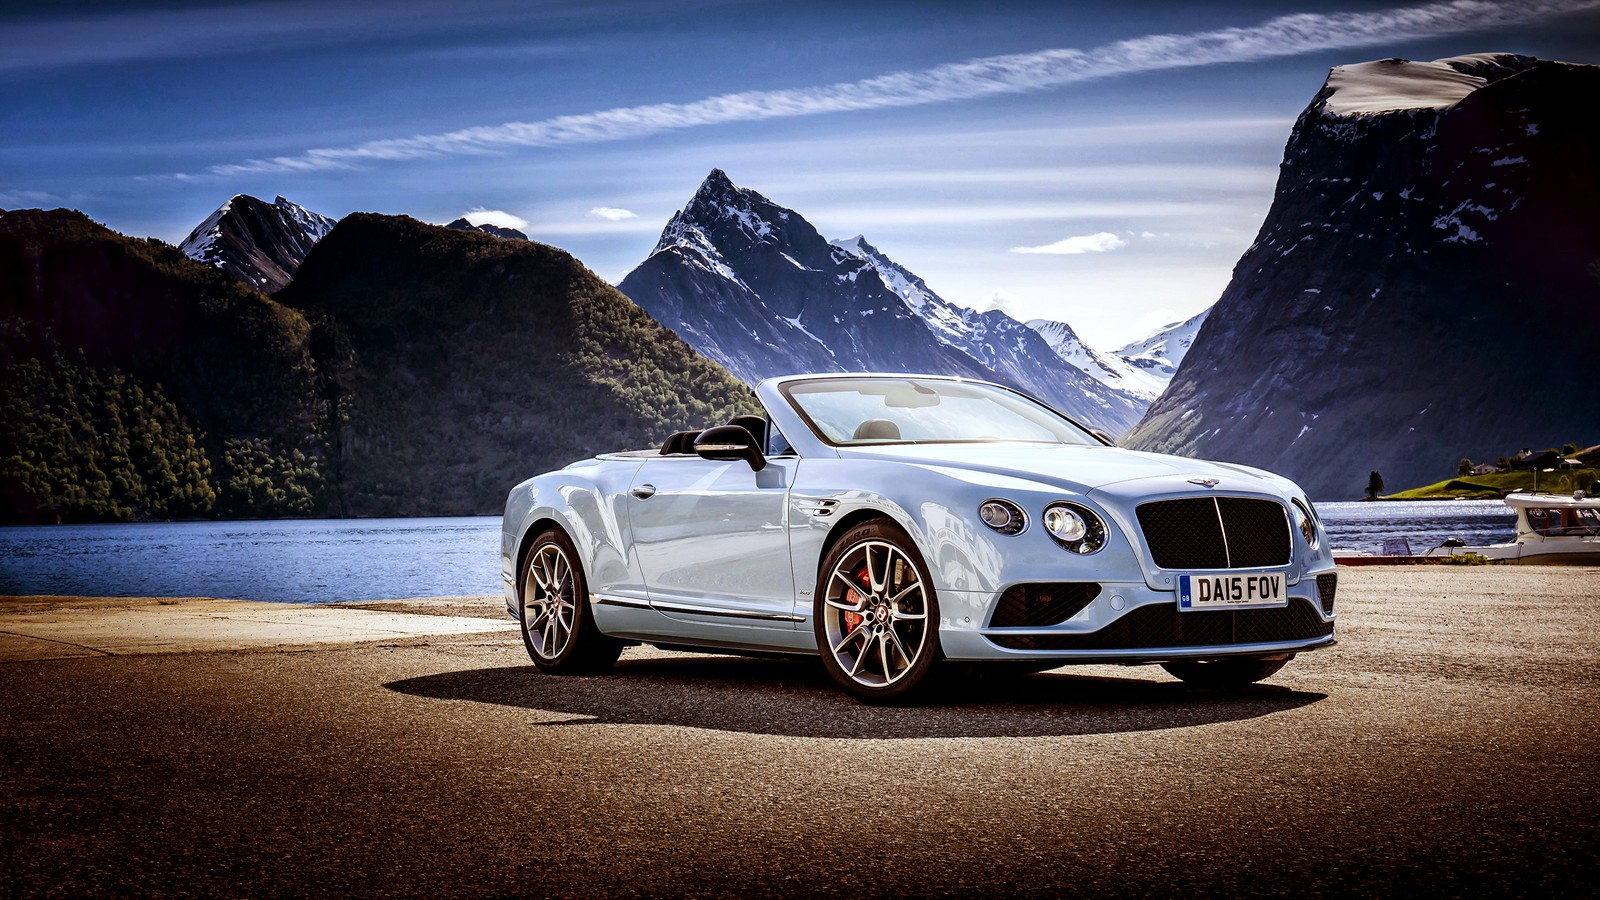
x,y
1426,285
1113,371
1158,356
138,383
454,364
257,242
754,286
486,228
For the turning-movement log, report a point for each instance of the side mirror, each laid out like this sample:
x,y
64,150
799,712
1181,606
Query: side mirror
x,y
730,442
1104,438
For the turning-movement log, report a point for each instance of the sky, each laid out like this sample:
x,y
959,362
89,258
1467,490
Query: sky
x,y
1103,164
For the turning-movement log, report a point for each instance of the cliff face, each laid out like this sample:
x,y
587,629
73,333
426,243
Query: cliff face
x,y
1426,285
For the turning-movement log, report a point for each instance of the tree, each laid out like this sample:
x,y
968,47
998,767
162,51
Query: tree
x,y
1374,485
1569,448
1464,467
1501,463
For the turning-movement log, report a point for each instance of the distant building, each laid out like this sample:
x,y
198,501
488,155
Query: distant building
x,y
1484,469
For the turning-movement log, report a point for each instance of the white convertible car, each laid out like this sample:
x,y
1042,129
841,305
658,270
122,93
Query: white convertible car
x,y
891,523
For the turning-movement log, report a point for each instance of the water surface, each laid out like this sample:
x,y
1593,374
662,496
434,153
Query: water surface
x,y
335,560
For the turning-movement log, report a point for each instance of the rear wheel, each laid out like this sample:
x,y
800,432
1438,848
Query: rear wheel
x,y
557,625
876,616
1231,671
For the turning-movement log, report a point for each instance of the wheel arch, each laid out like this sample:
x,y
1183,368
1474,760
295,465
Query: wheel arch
x,y
866,514
538,526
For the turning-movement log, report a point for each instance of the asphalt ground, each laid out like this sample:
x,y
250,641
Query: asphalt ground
x,y
1447,746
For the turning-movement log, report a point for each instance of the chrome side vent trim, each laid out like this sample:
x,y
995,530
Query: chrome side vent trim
x,y
819,508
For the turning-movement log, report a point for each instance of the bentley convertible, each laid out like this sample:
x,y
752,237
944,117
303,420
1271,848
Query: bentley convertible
x,y
891,524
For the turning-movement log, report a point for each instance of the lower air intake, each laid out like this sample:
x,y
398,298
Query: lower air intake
x,y
1162,625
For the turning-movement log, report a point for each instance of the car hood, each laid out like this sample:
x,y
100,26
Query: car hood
x,y
1074,468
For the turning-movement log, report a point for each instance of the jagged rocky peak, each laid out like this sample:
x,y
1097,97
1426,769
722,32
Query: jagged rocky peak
x,y
499,231
259,243
756,287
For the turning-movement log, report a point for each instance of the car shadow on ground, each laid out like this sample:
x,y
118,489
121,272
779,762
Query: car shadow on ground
x,y
796,699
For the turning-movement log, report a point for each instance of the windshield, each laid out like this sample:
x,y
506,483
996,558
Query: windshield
x,y
851,411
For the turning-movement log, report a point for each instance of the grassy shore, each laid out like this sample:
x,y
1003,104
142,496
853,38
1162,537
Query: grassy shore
x,y
1497,484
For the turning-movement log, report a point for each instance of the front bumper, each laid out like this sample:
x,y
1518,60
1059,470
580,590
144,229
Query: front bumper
x,y
1131,622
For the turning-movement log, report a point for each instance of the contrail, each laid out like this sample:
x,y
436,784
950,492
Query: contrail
x,y
988,76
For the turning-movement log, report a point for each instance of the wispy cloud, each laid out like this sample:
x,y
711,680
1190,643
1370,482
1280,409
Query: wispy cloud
x,y
612,213
984,77
1100,242
13,199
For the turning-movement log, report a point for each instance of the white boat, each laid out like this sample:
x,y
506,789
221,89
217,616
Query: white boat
x,y
1551,531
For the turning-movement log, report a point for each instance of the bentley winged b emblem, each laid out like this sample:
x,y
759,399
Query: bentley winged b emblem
x,y
1204,482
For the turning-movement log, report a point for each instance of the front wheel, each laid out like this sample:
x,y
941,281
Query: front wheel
x,y
877,619
1228,672
557,626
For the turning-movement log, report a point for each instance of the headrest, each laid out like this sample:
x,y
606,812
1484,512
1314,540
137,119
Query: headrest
x,y
877,430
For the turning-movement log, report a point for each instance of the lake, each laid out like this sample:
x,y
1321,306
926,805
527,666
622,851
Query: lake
x,y
334,560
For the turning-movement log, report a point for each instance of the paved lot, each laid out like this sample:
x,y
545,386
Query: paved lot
x,y
1450,743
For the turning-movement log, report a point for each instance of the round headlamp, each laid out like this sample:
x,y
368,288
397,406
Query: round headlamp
x,y
1304,521
1003,516
1074,527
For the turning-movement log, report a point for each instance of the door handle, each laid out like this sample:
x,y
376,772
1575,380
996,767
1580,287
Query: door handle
x,y
645,491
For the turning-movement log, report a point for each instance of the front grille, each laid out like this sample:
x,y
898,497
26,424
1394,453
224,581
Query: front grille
x,y
1326,586
1197,533
1040,605
1162,625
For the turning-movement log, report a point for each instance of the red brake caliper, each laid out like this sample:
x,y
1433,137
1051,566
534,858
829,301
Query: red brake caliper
x,y
853,597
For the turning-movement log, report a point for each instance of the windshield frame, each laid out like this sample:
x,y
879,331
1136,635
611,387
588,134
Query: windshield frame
x,y
1091,439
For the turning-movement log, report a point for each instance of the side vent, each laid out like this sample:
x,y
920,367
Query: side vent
x,y
818,508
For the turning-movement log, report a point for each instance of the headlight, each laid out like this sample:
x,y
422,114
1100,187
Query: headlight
x,y
1003,516
1075,527
1304,522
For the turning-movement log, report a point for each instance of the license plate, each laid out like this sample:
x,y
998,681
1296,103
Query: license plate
x,y
1216,591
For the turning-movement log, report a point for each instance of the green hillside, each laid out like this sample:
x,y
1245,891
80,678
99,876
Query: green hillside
x,y
137,383
462,363
409,370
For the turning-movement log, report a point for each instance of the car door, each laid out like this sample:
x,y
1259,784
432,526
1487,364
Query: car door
x,y
712,541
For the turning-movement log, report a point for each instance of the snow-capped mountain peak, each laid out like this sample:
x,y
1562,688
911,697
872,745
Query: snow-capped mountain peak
x,y
257,242
1161,353
1108,369
315,225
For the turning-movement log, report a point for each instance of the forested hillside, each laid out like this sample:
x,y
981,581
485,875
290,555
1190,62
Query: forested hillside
x,y
408,370
137,383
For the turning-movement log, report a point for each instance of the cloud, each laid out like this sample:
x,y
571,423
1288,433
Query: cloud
x,y
1099,242
1000,299
612,213
984,77
15,199
481,216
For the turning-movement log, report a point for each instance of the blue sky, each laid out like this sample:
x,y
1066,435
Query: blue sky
x,y
1137,141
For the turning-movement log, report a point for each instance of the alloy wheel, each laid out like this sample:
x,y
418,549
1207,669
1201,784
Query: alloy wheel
x,y
549,601
875,614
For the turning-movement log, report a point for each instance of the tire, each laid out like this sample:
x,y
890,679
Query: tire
x,y
876,616
1228,672
558,627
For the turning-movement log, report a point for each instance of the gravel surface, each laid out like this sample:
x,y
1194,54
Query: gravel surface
x,y
1448,744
